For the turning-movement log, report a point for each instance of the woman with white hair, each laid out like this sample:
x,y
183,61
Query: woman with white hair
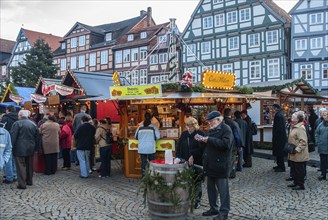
x,y
300,155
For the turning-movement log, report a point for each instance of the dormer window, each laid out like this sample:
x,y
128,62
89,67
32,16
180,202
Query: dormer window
x,y
108,37
63,45
130,37
143,35
162,39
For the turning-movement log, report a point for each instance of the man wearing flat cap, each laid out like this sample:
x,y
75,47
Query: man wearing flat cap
x,y
217,164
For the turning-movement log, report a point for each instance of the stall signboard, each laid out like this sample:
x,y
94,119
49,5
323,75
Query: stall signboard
x,y
16,98
28,105
161,145
125,92
218,80
53,100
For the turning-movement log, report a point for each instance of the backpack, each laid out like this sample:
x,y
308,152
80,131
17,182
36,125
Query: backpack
x,y
109,136
253,128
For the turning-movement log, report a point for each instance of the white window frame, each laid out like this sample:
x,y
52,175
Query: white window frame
x,y
306,71
92,59
63,45
119,56
193,71
273,68
207,22
219,20
245,14
191,50
205,47
233,43
126,56
108,36
127,75
81,61
143,53
82,40
130,37
143,35
227,68
73,42
255,69
301,44
232,17
3,70
143,77
135,77
134,54
73,63
154,79
162,38
254,40
153,59
324,71
104,57
272,37
63,64
217,1
316,43
162,58
316,18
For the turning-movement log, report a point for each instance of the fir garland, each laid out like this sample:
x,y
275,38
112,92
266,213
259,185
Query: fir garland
x,y
168,87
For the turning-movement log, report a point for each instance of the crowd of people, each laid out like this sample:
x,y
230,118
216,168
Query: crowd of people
x,y
74,137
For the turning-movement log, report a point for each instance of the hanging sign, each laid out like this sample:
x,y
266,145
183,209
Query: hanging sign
x,y
124,92
53,100
46,89
16,98
218,80
64,90
38,98
28,105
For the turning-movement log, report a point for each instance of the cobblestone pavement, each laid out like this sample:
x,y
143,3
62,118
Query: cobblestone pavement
x,y
256,193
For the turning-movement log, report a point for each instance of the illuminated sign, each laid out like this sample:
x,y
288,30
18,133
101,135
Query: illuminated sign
x,y
161,145
116,79
218,80
124,92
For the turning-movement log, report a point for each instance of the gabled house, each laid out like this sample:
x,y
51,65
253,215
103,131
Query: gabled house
x,y
89,48
247,37
6,48
309,43
25,41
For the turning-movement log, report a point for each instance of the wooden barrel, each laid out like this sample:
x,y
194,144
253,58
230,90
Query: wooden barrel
x,y
159,206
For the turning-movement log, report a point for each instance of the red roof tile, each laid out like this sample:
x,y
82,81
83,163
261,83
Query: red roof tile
x,y
6,45
52,40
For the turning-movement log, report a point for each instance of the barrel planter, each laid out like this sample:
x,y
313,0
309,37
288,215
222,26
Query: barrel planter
x,y
160,205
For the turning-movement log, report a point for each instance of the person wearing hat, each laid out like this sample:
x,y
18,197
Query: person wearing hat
x,y
217,164
249,148
279,138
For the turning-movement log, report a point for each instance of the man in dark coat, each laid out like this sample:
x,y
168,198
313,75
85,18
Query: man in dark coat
x,y
8,120
25,140
249,147
217,164
279,138
243,130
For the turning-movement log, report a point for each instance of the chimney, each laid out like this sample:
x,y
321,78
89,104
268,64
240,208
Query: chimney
x,y
149,15
142,12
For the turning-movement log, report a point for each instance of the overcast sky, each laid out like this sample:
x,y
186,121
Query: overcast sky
x,y
58,16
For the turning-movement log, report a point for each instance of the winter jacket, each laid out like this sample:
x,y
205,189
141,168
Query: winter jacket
x,y
217,153
279,136
187,146
85,136
101,135
321,137
147,137
5,147
298,137
25,138
9,119
243,129
65,137
50,137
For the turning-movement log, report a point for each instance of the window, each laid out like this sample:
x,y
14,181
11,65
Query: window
x,y
233,43
205,47
164,78
63,64
143,53
162,38
273,68
81,61
227,68
82,40
73,63
325,71
194,74
191,50
143,77
135,77
127,75
108,37
130,37
306,71
154,79
219,20
63,46
272,37
207,22
162,58
143,35
245,14
232,17
255,69
316,43
126,56
134,54
300,44
217,1
153,59
254,40
92,58
73,42
316,18
3,71
104,57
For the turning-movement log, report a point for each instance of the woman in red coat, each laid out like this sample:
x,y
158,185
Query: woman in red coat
x,y
65,141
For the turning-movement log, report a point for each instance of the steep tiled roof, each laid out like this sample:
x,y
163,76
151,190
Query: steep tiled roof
x,y
6,46
52,40
281,12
